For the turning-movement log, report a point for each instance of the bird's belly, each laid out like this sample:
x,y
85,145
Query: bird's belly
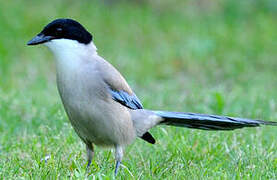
x,y
96,125
95,118
91,129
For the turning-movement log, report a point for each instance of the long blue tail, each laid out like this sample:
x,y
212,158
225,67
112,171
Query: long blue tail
x,y
208,122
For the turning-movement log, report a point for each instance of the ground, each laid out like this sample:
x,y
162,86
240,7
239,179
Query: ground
x,y
215,57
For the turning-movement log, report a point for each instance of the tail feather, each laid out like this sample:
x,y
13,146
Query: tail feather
x,y
208,122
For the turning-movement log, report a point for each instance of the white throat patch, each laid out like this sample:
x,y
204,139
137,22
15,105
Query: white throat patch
x,y
68,47
70,53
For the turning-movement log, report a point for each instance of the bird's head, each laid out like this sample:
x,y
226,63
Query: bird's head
x,y
62,35
62,29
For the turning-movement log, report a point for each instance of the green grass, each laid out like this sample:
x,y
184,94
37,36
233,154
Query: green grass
x,y
214,57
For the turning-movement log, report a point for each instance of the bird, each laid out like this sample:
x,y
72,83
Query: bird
x,y
100,105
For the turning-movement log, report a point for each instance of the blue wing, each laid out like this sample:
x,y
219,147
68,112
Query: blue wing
x,y
130,101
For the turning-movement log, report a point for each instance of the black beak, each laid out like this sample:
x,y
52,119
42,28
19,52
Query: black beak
x,y
39,39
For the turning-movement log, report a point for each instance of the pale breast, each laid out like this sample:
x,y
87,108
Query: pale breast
x,y
93,114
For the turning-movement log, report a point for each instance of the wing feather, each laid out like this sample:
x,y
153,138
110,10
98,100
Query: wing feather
x,y
130,101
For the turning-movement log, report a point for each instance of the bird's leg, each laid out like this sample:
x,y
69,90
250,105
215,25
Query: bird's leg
x,y
118,158
90,153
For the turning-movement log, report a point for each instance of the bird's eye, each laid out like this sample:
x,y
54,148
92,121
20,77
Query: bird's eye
x,y
59,29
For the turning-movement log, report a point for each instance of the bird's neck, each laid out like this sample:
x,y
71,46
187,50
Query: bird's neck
x,y
70,53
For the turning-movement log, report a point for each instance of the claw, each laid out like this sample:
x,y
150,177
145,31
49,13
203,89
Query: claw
x,y
116,167
118,158
90,154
